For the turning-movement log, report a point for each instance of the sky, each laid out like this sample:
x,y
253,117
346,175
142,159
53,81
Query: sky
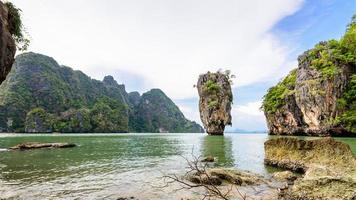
x,y
166,44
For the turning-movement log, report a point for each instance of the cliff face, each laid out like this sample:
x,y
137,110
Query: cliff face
x,y
318,94
40,95
160,114
215,102
38,121
7,43
318,98
283,115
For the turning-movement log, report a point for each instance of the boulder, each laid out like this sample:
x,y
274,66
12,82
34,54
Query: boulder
x,y
284,176
217,176
208,159
237,177
204,179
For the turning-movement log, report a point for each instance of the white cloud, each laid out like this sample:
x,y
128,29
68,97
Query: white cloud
x,y
252,108
248,116
190,112
167,42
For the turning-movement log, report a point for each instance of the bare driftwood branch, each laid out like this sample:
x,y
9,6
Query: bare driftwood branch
x,y
203,179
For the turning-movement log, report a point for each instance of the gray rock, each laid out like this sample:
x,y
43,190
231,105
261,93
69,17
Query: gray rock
x,y
208,159
285,176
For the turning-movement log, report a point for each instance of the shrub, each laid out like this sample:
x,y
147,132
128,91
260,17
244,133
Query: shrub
x,y
16,27
348,103
324,56
38,120
211,87
327,56
275,97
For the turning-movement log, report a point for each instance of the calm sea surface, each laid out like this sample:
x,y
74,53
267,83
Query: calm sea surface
x,y
108,166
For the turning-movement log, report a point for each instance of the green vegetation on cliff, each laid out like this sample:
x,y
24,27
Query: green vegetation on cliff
x,y
38,120
161,114
348,42
108,115
327,57
74,121
16,27
213,89
348,104
275,97
41,96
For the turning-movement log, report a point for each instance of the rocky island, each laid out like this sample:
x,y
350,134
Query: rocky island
x,y
319,97
215,101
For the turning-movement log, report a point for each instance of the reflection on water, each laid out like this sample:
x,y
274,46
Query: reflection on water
x,y
220,148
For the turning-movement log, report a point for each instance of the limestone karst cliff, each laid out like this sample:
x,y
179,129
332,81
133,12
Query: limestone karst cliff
x,y
7,43
215,101
39,95
319,97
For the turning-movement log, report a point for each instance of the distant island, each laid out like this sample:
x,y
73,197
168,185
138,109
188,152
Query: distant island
x,y
41,96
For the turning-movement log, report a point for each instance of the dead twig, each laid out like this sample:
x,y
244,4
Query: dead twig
x,y
202,179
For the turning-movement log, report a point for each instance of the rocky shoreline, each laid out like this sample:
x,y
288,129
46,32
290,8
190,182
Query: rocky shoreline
x,y
328,167
315,169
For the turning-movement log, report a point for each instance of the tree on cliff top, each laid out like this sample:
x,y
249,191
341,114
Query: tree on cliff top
x,y
16,27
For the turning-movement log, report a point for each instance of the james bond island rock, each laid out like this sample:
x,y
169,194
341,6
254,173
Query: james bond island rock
x,y
39,95
7,42
215,101
37,145
319,97
328,167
